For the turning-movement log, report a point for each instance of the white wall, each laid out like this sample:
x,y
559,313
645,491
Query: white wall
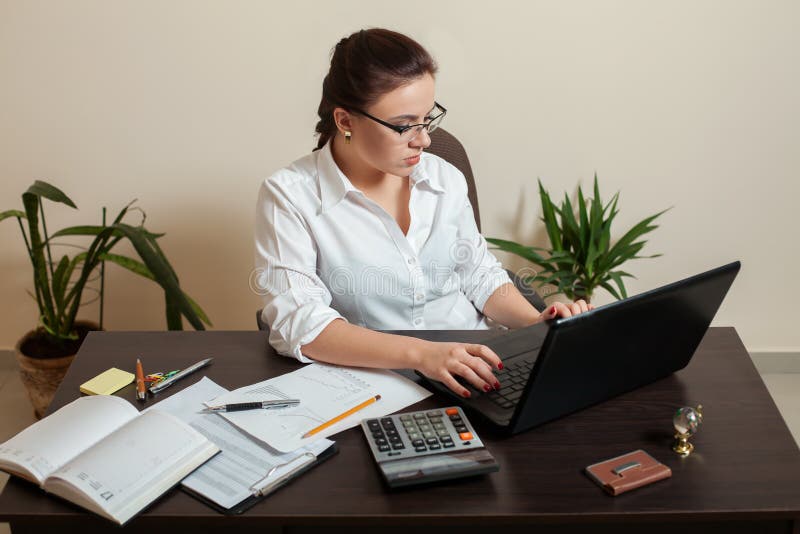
x,y
187,105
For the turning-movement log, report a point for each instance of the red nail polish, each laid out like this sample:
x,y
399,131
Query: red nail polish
x,y
500,365
553,310
497,385
465,394
486,388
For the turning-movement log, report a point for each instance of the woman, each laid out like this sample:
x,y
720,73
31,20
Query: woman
x,y
369,232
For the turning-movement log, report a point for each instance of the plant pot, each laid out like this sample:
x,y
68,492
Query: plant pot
x,y
42,375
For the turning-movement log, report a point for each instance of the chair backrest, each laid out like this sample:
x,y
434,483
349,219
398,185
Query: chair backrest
x,y
446,146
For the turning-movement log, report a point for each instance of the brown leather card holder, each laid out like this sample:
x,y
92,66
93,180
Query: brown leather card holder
x,y
627,472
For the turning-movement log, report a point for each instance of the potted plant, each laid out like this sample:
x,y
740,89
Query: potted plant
x,y
44,354
581,257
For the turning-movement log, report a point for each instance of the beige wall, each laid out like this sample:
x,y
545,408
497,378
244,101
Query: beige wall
x,y
187,105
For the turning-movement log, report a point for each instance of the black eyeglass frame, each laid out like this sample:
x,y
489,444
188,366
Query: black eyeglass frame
x,y
403,129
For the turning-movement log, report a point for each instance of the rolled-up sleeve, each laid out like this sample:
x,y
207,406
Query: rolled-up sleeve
x,y
480,273
296,301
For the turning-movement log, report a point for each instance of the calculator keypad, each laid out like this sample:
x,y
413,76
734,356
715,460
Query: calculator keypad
x,y
420,433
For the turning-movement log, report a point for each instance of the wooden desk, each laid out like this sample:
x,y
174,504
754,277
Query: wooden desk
x,y
743,476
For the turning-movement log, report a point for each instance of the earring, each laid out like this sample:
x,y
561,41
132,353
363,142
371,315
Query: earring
x,y
347,138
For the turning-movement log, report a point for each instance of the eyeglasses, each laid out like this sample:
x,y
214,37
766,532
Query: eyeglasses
x,y
410,132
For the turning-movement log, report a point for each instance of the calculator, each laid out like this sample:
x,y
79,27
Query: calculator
x,y
427,446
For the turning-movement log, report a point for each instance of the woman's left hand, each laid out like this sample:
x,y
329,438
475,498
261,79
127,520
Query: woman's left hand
x,y
560,309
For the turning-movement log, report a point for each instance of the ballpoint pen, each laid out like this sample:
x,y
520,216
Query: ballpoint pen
x,y
140,386
240,406
339,417
155,388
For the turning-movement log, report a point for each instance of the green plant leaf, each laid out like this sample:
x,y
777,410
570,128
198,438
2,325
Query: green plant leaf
x,y
625,248
128,263
162,271
583,217
198,310
610,289
616,276
196,307
142,270
94,230
12,213
173,314
41,282
605,233
569,226
549,218
59,283
529,253
50,192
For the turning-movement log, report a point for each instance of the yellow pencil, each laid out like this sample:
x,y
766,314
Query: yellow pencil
x,y
338,418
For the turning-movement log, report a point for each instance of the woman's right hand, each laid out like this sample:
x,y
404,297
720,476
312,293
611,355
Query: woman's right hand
x,y
470,361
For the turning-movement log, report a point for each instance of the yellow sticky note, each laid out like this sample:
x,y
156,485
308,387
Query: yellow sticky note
x,y
107,382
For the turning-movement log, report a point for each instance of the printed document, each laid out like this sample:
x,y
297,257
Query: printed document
x,y
325,391
227,478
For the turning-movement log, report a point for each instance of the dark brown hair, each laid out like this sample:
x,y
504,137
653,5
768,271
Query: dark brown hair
x,y
365,66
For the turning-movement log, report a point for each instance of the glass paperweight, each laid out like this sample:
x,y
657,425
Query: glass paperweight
x,y
686,422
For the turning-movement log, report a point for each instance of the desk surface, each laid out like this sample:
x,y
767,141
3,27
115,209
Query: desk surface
x,y
746,464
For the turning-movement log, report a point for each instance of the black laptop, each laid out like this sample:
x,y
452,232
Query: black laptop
x,y
556,368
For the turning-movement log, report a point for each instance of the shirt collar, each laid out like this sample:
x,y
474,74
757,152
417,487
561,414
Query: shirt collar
x,y
334,185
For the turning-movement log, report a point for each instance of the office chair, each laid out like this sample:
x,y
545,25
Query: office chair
x,y
446,146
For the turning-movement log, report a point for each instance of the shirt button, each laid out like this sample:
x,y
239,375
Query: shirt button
x,y
420,296
417,322
411,261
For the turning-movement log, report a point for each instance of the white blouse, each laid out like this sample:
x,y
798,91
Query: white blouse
x,y
325,251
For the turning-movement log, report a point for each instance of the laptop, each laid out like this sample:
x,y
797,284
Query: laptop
x,y
556,368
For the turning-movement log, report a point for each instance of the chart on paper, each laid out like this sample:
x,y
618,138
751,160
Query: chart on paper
x,y
325,391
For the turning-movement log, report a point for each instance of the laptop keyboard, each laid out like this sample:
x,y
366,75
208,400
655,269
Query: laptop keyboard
x,y
512,378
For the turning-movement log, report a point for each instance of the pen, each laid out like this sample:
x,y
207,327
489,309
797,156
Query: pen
x,y
240,406
140,391
155,388
338,418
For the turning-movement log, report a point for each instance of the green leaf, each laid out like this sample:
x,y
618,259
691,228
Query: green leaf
x,y
198,310
123,211
173,314
68,276
40,280
617,277
128,263
142,270
549,218
610,289
636,231
94,230
528,253
59,283
605,233
569,226
50,192
12,213
162,271
583,217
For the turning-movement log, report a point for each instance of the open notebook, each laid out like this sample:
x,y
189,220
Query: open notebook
x,y
100,453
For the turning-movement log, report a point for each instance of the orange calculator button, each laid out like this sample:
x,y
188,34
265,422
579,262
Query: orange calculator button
x,y
465,436
451,411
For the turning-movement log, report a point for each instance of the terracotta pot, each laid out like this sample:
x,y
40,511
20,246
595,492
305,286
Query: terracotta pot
x,y
42,376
